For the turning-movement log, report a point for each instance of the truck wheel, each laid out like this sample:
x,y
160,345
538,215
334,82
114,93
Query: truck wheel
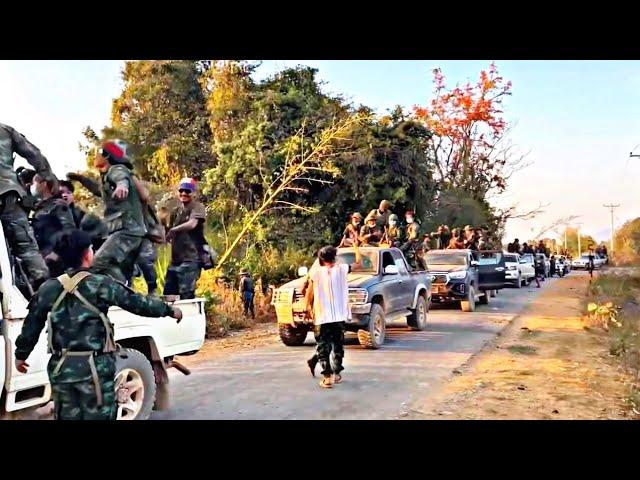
x,y
418,318
135,385
519,282
493,293
292,336
373,336
469,305
484,298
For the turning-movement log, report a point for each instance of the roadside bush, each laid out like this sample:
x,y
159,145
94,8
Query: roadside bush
x,y
622,290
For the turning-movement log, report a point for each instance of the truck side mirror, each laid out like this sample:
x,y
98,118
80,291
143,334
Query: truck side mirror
x,y
474,263
302,271
391,270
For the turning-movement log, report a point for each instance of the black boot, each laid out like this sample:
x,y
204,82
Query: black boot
x,y
312,362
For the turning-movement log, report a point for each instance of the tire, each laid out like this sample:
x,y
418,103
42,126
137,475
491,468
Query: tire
x,y
418,318
469,305
292,336
494,293
519,282
485,298
135,385
373,336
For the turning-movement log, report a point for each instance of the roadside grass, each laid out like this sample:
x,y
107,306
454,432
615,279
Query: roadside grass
x,y
623,290
522,349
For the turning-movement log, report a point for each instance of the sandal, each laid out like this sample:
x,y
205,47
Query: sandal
x,y
326,382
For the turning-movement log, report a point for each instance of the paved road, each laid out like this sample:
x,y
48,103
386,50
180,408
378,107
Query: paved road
x,y
273,382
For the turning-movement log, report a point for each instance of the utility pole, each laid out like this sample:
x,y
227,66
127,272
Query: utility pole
x,y
578,225
611,208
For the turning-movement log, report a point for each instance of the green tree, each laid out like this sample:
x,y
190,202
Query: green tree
x,y
161,112
627,242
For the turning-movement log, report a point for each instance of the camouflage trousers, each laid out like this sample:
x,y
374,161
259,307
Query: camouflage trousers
x,y
145,265
330,338
21,239
181,279
117,256
74,391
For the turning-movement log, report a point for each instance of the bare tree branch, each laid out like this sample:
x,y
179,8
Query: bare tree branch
x,y
555,224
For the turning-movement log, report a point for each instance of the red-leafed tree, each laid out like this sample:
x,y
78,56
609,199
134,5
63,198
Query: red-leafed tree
x,y
470,144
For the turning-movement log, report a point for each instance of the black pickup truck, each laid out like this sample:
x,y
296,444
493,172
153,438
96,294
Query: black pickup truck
x,y
383,290
465,276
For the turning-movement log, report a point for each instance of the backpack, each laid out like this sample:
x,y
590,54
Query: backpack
x,y
155,229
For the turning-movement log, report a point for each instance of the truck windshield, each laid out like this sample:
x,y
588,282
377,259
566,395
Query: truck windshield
x,y
369,260
446,258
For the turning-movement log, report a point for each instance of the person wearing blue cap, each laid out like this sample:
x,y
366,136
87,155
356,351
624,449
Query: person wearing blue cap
x,y
186,234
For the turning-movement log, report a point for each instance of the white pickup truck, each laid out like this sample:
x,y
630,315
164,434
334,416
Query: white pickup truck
x,y
149,344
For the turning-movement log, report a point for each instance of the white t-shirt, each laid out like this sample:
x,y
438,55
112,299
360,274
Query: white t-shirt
x,y
330,294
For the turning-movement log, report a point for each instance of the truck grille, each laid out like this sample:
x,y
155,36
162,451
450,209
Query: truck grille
x,y
440,278
282,295
357,295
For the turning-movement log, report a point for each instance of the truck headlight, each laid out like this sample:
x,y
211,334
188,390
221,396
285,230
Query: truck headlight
x,y
358,295
458,275
512,267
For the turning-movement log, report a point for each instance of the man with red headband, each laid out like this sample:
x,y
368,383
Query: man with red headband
x,y
123,212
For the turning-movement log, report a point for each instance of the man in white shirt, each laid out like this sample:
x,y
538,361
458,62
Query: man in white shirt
x,y
328,289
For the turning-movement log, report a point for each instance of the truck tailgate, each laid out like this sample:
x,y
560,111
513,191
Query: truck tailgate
x,y
171,338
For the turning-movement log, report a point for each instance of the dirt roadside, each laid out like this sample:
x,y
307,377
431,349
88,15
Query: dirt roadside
x,y
545,365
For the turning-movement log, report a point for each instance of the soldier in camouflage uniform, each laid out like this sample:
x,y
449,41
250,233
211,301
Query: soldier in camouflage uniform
x,y
147,253
410,246
66,193
350,234
123,212
186,235
14,219
371,233
381,214
51,218
393,232
82,366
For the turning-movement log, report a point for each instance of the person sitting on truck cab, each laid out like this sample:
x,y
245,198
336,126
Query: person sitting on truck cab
x,y
470,238
393,232
370,233
381,214
350,234
82,365
457,240
412,232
